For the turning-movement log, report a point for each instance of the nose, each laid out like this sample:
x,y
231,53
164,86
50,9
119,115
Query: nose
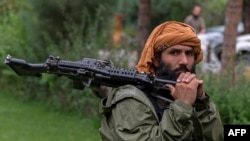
x,y
183,59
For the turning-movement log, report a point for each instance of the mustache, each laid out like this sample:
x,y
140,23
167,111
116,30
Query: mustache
x,y
164,71
182,68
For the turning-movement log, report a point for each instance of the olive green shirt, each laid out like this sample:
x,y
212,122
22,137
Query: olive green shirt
x,y
128,115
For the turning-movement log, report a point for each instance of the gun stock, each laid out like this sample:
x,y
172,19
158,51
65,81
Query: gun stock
x,y
22,68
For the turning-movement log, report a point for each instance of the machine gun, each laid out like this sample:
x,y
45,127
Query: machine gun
x,y
88,72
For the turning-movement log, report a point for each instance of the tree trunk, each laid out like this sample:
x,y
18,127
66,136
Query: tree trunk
x,y
246,16
143,25
233,14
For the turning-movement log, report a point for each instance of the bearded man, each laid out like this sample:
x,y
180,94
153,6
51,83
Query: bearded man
x,y
196,20
185,113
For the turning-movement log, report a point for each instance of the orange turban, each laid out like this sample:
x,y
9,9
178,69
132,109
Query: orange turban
x,y
168,34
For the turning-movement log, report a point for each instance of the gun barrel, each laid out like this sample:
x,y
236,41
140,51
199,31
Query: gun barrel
x,y
164,81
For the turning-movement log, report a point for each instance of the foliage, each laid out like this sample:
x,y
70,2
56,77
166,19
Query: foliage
x,y
165,10
59,19
232,101
27,32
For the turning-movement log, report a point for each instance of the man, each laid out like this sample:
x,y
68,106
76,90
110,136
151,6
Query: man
x,y
195,20
185,112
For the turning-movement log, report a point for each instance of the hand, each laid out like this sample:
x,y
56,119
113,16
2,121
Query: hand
x,y
187,88
200,92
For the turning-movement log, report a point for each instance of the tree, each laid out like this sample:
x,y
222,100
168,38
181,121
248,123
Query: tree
x,y
233,14
143,25
246,16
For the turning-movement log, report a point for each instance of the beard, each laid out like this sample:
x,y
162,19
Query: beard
x,y
163,71
195,16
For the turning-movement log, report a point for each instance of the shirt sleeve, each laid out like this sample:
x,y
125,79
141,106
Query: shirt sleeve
x,y
211,122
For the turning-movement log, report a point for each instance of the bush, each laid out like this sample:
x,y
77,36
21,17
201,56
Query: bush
x,y
232,102
24,36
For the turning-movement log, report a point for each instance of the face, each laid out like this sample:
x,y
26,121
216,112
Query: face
x,y
175,60
196,11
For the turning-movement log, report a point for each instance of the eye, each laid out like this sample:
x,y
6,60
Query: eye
x,y
190,53
174,52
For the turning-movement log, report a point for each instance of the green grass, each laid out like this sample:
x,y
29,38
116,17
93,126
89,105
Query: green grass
x,y
33,121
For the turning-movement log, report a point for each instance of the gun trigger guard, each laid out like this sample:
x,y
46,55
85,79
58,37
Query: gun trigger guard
x,y
89,82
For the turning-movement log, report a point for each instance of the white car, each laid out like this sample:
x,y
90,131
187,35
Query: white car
x,y
211,43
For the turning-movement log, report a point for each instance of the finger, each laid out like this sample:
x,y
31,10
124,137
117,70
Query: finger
x,y
185,76
181,76
200,82
194,83
171,88
189,78
200,90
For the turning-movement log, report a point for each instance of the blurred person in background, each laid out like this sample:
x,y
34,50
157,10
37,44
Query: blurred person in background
x,y
183,112
196,20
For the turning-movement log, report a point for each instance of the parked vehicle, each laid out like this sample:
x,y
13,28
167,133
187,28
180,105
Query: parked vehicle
x,y
212,42
210,62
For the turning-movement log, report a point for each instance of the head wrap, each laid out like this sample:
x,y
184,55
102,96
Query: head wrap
x,y
164,36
